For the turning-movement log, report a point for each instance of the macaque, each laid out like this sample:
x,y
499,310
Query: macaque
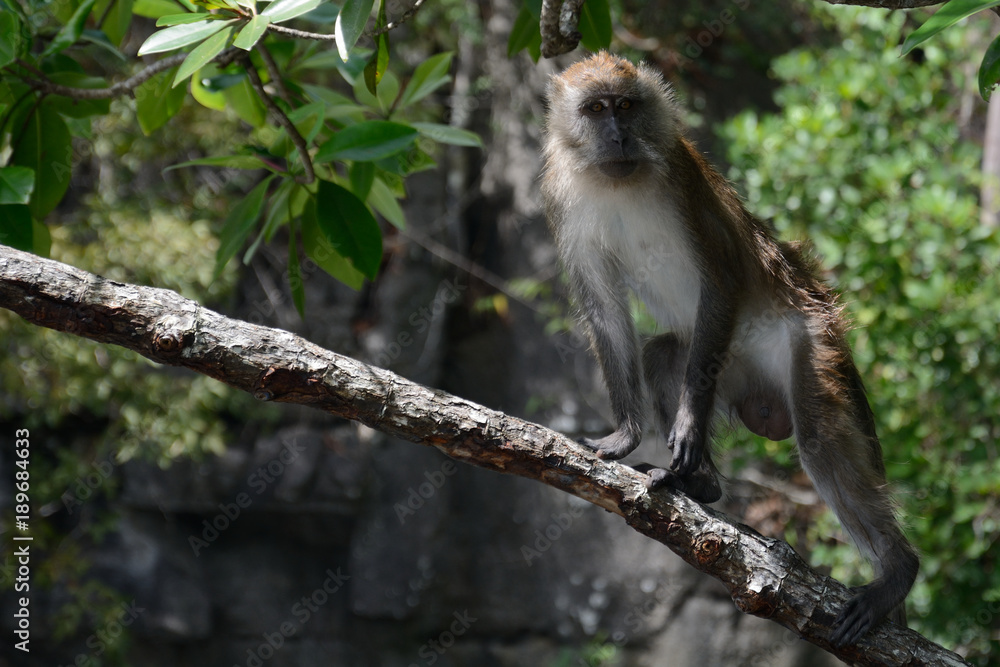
x,y
751,331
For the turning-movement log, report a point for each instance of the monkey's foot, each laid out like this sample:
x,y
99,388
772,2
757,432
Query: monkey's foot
x,y
869,605
702,485
612,447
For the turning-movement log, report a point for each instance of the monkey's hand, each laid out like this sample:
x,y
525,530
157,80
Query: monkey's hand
x,y
614,446
687,441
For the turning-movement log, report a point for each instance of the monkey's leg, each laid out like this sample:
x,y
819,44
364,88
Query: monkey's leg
x,y
604,303
839,450
664,359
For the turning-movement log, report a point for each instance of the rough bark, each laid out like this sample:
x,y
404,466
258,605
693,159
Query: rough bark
x,y
765,577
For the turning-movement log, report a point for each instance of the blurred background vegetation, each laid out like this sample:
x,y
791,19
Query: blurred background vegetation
x,y
872,158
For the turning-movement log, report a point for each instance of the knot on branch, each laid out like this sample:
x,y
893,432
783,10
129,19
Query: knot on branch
x,y
762,603
708,550
171,334
168,343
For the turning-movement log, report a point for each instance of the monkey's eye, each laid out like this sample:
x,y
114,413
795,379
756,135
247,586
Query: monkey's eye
x,y
596,107
625,104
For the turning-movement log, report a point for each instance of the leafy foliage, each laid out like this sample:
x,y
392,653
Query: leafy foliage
x,y
950,14
340,119
865,159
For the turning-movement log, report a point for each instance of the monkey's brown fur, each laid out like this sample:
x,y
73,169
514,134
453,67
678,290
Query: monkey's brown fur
x,y
753,333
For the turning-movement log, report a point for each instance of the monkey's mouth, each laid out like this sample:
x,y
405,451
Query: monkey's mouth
x,y
618,168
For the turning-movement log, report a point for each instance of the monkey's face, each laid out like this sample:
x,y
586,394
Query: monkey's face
x,y
610,118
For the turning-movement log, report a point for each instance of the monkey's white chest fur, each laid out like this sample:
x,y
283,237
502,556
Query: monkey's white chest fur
x,y
652,251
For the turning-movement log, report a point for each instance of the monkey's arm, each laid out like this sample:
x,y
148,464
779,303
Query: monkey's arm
x,y
712,213
707,358
602,297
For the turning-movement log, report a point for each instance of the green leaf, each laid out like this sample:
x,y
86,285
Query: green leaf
x,y
282,10
384,201
279,209
179,36
16,184
379,62
238,225
11,42
203,54
347,223
951,13
181,19
322,251
406,163
428,77
70,32
295,282
230,161
100,40
206,96
376,67
524,33
370,140
245,102
989,69
46,147
117,20
156,101
154,9
388,91
308,119
595,25
252,33
350,24
17,229
361,175
42,239
339,107
216,4
446,134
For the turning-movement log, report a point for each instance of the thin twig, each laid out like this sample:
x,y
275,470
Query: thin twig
x,y
274,72
284,121
31,68
105,13
300,34
392,25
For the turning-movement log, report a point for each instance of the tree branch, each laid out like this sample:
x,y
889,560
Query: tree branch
x,y
122,87
764,576
117,90
558,26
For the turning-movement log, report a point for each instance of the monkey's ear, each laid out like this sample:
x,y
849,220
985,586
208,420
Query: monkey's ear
x,y
554,87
